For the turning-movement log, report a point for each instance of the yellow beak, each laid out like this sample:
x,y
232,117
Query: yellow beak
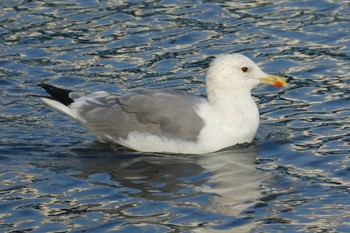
x,y
274,80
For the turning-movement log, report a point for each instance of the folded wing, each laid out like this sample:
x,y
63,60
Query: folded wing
x,y
162,113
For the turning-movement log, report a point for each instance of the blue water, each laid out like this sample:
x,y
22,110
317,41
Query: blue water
x,y
54,176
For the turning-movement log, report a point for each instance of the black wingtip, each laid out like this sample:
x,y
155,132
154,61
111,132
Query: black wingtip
x,y
59,94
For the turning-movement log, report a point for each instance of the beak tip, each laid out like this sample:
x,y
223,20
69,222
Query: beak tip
x,y
274,80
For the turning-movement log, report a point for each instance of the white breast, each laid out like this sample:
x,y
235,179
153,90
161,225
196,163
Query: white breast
x,y
226,129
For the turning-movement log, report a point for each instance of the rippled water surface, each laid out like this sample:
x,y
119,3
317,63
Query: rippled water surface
x,y
295,176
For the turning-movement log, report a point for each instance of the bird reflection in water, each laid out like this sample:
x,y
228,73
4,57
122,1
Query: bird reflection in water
x,y
228,179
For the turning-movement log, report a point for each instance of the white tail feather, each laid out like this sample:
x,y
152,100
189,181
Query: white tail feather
x,y
59,107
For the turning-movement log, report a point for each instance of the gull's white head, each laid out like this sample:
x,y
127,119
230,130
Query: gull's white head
x,y
236,72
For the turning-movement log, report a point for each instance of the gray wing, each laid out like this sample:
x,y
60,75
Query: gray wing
x,y
170,114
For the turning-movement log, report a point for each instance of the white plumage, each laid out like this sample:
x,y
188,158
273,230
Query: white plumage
x,y
160,121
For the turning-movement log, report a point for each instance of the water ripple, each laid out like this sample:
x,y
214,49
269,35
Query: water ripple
x,y
293,178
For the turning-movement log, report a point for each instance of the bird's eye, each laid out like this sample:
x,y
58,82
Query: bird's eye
x,y
244,69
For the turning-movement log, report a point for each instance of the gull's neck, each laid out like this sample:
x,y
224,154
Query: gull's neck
x,y
236,111
239,101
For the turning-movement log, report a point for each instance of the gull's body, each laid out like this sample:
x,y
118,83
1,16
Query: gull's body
x,y
170,121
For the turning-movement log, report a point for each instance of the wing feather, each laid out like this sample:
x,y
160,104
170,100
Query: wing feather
x,y
173,111
161,113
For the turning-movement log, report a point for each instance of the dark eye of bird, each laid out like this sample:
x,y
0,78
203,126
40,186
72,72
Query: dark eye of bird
x,y
244,69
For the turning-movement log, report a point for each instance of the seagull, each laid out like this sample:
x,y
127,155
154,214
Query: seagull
x,y
168,121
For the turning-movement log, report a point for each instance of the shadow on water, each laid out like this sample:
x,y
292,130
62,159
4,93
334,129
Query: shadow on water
x,y
98,189
222,184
